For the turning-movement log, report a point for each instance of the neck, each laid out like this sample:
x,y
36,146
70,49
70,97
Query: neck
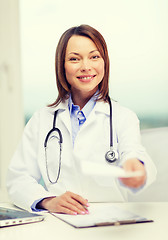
x,y
81,99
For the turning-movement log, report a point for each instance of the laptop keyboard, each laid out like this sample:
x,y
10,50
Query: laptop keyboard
x,y
3,217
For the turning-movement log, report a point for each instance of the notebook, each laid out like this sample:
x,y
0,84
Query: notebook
x,y
10,217
102,215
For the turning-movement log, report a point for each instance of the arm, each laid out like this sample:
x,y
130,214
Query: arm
x,y
68,203
23,173
131,151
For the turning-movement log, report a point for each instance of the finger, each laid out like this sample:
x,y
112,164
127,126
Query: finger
x,y
71,201
72,207
133,165
62,206
79,199
65,210
134,182
81,209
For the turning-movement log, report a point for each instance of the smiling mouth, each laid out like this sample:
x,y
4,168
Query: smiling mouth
x,y
86,78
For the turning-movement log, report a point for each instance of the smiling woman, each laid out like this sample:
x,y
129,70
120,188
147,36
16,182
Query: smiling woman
x,y
92,48
82,124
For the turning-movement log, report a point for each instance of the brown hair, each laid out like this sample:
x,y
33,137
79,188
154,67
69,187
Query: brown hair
x,y
62,83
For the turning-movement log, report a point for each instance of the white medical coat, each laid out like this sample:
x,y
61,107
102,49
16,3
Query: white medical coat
x,y
28,165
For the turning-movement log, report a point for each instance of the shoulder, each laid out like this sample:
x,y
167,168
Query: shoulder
x,y
123,115
118,110
40,113
45,114
122,110
39,120
48,112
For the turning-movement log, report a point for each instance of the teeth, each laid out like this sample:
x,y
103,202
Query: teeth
x,y
85,77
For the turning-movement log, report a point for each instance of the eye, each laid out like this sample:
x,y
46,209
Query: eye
x,y
95,57
74,59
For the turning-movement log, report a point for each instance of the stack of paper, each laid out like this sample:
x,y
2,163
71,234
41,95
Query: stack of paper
x,y
103,169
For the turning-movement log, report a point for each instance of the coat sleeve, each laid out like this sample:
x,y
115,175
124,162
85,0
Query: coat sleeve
x,y
23,178
129,143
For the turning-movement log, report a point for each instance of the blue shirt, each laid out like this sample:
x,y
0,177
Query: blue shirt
x,y
78,117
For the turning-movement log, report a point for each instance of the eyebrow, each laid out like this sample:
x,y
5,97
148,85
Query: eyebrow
x,y
75,53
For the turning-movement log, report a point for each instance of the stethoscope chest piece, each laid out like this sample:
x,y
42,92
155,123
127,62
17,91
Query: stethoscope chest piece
x,y
111,156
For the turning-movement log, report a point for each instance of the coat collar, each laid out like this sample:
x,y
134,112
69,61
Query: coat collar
x,y
100,106
62,106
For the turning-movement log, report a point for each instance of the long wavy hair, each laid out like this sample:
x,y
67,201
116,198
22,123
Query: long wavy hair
x,y
63,86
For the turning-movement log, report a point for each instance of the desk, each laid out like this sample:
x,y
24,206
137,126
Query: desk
x,y
53,228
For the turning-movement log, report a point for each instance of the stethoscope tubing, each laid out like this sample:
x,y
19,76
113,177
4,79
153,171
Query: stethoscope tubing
x,y
111,156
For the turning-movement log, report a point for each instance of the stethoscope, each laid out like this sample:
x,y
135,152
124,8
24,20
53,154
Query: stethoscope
x,y
111,156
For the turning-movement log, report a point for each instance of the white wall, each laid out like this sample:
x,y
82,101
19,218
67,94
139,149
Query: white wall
x,y
11,110
136,33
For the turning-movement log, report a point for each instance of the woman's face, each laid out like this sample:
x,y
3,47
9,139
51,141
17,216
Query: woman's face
x,y
84,66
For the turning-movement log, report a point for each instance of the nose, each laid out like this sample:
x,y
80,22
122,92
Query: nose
x,y
85,65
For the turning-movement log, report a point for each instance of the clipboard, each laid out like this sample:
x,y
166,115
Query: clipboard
x,y
102,215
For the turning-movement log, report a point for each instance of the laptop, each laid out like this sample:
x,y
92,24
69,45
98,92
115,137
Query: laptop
x,y
10,217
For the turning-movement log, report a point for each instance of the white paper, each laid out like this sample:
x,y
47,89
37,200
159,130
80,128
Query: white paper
x,y
99,213
98,169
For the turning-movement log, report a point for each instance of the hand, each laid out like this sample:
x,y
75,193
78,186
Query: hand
x,y
134,165
69,203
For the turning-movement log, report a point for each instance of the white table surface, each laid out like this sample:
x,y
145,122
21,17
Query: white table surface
x,y
53,228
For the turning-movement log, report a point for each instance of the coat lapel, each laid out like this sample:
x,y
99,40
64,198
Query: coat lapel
x,y
63,114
